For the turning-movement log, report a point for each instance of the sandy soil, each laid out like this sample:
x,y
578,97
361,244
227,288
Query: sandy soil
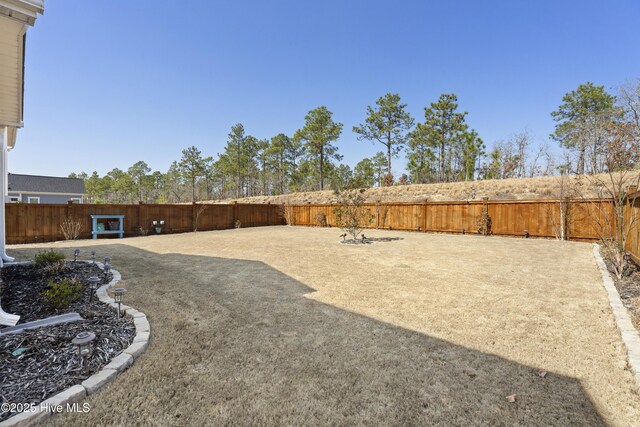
x,y
544,187
284,325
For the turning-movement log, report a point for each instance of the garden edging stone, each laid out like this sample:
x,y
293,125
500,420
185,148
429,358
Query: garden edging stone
x,y
629,334
108,373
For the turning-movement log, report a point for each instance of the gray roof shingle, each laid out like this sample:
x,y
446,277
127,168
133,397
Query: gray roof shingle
x,y
45,184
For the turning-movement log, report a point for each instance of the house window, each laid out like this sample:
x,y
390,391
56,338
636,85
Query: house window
x,y
35,200
75,200
14,199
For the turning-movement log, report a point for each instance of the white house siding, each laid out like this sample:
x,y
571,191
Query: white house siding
x,y
11,34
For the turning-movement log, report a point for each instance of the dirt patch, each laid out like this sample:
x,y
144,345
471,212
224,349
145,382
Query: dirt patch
x,y
281,325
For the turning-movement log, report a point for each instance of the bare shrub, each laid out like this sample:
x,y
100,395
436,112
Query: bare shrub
x,y
615,225
71,227
568,188
483,221
284,211
237,224
351,214
321,219
382,215
200,208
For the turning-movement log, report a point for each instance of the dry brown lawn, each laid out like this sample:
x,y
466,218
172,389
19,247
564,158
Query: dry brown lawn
x,y
284,325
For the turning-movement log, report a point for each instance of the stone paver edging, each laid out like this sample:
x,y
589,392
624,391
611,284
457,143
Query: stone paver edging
x,y
630,335
77,393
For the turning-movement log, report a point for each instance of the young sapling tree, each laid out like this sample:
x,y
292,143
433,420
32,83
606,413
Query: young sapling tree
x,y
352,216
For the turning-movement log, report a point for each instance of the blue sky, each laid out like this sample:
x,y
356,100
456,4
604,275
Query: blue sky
x,y
112,82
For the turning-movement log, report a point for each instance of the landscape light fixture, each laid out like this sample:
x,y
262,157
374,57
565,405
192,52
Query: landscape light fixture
x,y
76,254
118,293
83,342
363,237
107,259
107,270
93,285
93,256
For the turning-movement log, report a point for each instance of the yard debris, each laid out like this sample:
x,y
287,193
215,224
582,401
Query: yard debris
x,y
19,351
542,374
511,398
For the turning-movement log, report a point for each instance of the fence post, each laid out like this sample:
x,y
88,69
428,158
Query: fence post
x,y
140,226
565,225
309,214
485,216
235,213
193,215
630,216
425,212
69,213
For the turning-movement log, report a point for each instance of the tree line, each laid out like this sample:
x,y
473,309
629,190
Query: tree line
x,y
440,148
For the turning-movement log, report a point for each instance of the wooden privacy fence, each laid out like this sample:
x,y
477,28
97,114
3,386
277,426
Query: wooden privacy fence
x,y
31,223
536,218
632,218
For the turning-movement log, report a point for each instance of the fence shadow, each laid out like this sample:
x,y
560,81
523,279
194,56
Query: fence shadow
x,y
237,342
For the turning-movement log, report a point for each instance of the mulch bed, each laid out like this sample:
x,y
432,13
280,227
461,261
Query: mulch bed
x,y
629,290
38,363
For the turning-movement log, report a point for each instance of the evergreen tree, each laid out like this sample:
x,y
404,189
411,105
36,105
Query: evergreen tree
x,y
317,134
443,131
138,172
388,124
364,173
191,167
582,118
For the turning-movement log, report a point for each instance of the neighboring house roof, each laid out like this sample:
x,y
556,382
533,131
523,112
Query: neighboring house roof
x,y
45,184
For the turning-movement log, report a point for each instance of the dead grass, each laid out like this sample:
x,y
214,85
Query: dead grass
x,y
496,189
283,325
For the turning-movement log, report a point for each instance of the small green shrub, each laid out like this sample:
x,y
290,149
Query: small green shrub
x,y
44,259
60,295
